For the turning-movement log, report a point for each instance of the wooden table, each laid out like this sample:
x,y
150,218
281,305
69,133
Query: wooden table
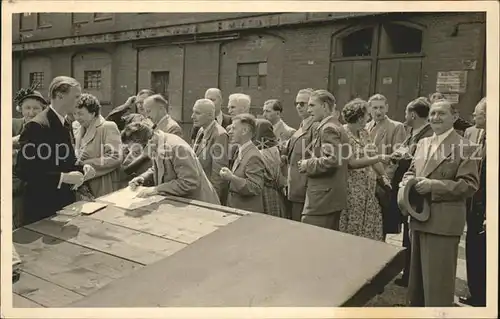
x,y
67,258
178,253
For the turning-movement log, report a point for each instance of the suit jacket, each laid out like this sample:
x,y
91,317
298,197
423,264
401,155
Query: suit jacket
x,y
41,170
211,151
326,170
474,134
245,192
454,167
387,136
282,131
168,125
297,148
176,171
226,121
100,147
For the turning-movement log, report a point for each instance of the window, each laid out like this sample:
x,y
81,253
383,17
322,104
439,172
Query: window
x,y
43,20
358,43
251,75
82,17
103,16
92,80
159,82
27,21
36,77
400,39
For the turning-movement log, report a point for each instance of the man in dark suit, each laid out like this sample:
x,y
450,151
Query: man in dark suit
x,y
224,120
445,167
46,159
416,115
326,170
475,240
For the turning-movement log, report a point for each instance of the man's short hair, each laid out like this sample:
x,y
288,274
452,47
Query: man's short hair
x,y
377,97
275,104
137,132
241,99
216,90
206,102
247,119
146,92
452,106
158,98
305,91
482,102
325,97
61,84
420,106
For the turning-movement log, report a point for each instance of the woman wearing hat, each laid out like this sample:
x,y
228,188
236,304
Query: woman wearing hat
x,y
29,103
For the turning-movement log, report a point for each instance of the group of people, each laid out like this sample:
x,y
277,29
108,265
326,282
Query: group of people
x,y
343,177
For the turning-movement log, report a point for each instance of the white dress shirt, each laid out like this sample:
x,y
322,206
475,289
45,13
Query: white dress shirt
x,y
436,140
61,118
219,118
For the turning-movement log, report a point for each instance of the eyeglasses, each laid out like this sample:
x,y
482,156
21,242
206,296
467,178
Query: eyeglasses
x,y
301,103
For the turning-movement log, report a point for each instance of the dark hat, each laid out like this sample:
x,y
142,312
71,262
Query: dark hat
x,y
30,93
411,203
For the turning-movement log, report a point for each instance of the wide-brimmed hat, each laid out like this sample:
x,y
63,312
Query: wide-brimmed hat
x,y
412,203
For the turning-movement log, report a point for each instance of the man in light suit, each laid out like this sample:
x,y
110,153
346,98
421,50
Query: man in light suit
x,y
272,111
210,145
326,170
246,176
386,135
475,240
224,120
296,149
416,115
156,109
175,171
238,103
446,167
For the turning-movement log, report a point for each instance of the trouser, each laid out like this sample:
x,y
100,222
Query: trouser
x,y
475,250
407,245
330,221
296,210
433,270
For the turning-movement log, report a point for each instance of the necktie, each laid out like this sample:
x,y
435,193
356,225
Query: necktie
x,y
235,159
67,125
199,138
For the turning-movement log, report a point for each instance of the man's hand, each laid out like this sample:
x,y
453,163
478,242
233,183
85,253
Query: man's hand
x,y
130,101
226,173
302,165
384,158
147,192
136,182
88,172
423,185
73,178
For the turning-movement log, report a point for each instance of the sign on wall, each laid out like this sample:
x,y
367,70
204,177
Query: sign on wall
x,y
451,82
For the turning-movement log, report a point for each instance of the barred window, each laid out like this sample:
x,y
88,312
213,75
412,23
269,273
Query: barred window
x,y
251,75
36,77
92,80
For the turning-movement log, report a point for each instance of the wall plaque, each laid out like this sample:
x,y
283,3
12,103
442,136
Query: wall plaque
x,y
451,82
387,80
342,81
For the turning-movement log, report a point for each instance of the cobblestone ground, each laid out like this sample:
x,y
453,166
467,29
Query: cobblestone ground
x,y
394,295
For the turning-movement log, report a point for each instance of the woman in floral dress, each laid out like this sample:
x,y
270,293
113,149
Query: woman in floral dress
x,y
363,216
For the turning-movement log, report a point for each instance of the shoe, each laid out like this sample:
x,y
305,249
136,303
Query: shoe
x,y
401,282
471,302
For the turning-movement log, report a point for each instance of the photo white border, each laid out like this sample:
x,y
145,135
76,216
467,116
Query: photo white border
x,y
490,7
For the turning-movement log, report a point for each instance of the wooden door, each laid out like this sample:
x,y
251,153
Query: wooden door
x,y
349,80
399,81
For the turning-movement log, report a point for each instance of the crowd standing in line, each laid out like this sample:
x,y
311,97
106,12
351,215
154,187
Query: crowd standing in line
x,y
341,169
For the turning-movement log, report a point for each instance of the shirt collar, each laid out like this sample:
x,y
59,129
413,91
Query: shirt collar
x,y
209,127
418,130
61,118
277,124
219,118
440,138
326,119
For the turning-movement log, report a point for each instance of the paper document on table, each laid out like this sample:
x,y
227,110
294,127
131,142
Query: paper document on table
x,y
127,198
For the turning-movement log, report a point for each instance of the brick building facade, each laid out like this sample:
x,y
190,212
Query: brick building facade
x,y
266,55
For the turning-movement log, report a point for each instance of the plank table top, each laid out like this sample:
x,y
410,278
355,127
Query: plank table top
x,y
185,253
69,256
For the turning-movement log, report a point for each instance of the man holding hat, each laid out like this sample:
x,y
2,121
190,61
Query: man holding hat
x,y
445,169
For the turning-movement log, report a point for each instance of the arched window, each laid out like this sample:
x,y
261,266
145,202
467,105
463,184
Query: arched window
x,y
357,43
398,38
